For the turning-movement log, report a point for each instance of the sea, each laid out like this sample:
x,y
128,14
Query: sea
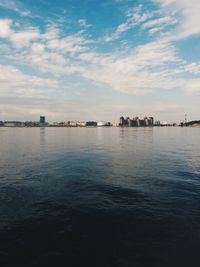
x,y
100,197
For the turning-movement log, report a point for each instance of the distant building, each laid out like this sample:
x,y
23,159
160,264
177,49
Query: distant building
x,y
122,122
13,124
80,123
31,124
1,123
157,123
128,122
42,121
136,122
151,121
142,123
146,121
91,123
72,123
103,123
166,124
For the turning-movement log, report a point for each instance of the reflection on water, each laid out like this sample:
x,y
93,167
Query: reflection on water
x,y
100,196
42,136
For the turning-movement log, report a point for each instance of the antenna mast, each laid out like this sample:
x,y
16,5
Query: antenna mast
x,y
185,119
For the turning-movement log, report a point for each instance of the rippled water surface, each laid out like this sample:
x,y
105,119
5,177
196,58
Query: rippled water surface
x,y
100,197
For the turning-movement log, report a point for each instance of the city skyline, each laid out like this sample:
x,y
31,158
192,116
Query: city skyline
x,y
126,121
99,59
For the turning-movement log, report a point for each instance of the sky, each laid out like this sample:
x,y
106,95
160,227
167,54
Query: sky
x,y
98,60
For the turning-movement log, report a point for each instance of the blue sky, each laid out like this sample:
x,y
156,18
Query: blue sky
x,y
82,60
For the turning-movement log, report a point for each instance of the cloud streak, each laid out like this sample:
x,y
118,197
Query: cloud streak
x,y
134,17
12,5
188,13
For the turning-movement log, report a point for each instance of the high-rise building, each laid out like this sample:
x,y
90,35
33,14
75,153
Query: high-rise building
x,y
129,122
124,122
42,121
151,121
146,121
136,122
142,123
121,122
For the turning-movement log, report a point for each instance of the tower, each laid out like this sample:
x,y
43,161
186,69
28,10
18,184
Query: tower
x,y
185,119
42,121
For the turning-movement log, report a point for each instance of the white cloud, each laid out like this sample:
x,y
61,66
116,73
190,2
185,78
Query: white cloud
x,y
5,28
83,23
155,30
52,32
192,86
69,44
141,71
23,38
47,52
38,48
158,24
134,18
12,5
188,13
19,38
138,71
193,68
14,82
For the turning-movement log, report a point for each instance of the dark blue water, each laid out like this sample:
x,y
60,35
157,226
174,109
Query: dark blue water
x,y
100,197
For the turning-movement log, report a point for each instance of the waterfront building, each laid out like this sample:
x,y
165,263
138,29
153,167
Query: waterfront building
x,y
166,123
151,121
42,121
72,124
142,123
157,123
55,124
146,121
121,121
103,123
91,123
136,122
129,122
13,124
31,124
80,123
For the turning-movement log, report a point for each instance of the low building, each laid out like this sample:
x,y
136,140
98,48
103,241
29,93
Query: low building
x,y
80,123
31,124
157,123
72,123
103,123
14,124
91,123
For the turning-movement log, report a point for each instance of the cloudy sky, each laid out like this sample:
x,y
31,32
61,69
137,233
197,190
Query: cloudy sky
x,y
91,59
